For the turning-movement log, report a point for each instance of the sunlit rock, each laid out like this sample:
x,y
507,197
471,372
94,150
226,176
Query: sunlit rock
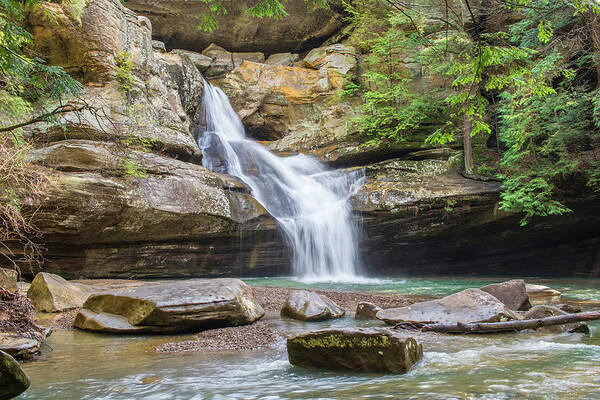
x,y
166,307
51,293
310,306
470,305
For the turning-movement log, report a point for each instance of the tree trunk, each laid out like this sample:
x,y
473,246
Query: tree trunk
x,y
493,327
593,23
467,146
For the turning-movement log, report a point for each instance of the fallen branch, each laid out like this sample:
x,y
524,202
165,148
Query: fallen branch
x,y
492,327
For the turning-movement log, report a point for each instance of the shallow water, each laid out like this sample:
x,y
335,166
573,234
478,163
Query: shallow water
x,y
512,366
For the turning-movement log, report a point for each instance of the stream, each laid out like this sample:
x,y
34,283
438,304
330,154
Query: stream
x,y
529,365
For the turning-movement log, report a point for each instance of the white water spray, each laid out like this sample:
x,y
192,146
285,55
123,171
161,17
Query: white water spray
x,y
309,202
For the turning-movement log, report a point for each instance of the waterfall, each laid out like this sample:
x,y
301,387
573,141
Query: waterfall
x,y
309,202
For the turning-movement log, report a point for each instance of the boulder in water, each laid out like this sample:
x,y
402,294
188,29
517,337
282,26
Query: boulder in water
x,y
13,380
512,293
166,307
364,350
544,311
366,310
8,279
309,306
470,305
540,294
51,293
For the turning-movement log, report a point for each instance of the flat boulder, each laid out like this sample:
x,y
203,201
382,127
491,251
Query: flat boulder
x,y
366,310
470,305
13,380
51,293
310,306
540,294
512,293
169,307
8,279
19,346
361,350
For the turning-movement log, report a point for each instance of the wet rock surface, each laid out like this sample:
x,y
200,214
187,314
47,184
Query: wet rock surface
x,y
470,305
13,380
364,350
166,307
310,306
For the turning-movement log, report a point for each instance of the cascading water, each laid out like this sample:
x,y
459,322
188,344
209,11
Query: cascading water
x,y
309,202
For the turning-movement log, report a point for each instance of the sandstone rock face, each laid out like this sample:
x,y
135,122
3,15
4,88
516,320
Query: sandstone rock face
x,y
337,57
364,350
51,293
540,294
544,311
285,59
309,306
166,307
512,293
176,23
470,305
8,279
365,310
126,196
13,380
18,346
276,101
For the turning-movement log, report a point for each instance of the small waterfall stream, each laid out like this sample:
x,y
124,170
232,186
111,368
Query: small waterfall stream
x,y
310,203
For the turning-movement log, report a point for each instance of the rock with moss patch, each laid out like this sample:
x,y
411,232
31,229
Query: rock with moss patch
x,y
51,293
470,305
167,307
366,310
364,350
512,293
13,380
310,306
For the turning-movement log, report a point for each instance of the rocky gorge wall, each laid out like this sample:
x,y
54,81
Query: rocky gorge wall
x,y
127,195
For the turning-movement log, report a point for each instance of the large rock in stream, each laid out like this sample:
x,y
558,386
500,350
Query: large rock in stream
x,y
309,306
13,381
167,307
512,293
470,305
364,350
51,293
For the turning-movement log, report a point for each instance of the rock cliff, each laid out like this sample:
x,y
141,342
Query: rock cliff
x,y
127,195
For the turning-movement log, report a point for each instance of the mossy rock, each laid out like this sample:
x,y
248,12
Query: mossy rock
x,y
364,350
13,380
